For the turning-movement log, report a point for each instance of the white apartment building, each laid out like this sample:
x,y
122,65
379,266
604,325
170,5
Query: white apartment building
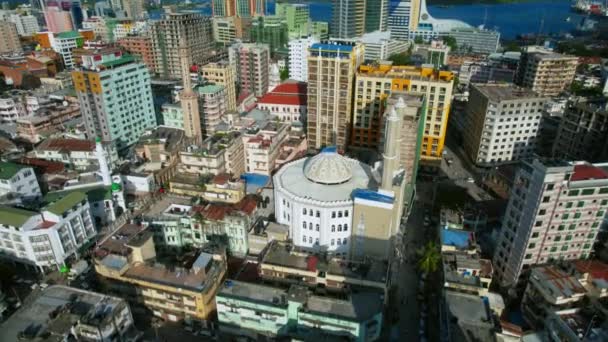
x,y
75,153
48,238
379,46
10,110
213,106
224,29
262,147
298,54
17,183
503,122
554,213
27,25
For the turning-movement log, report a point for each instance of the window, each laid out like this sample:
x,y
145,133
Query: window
x,y
316,241
561,227
304,238
600,213
553,249
557,238
573,193
318,213
565,216
538,223
333,228
586,246
572,227
542,212
588,191
580,204
569,205
344,241
339,213
568,237
333,214
310,225
304,211
534,235
310,239
550,186
603,191
564,248
345,227
532,245
595,225
317,226
304,225
338,242
528,256
577,215
339,227
346,213
546,199
333,242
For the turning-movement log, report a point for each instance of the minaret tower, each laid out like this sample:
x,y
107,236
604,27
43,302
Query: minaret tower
x,y
391,148
189,99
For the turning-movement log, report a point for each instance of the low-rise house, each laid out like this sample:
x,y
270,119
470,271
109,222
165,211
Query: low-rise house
x,y
76,154
251,310
46,239
62,313
220,153
576,325
262,147
159,148
550,289
46,121
18,183
127,260
287,102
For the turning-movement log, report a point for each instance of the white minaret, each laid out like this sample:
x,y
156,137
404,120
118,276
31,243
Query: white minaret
x,y
103,163
390,155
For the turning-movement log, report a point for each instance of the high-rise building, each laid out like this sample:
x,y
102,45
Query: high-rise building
x,y
195,30
27,24
503,123
134,8
189,100
223,8
400,15
224,30
213,106
554,213
115,97
476,40
298,58
251,63
57,19
583,131
348,18
10,39
250,8
331,74
376,15
546,72
271,30
376,82
319,30
140,46
379,45
223,74
297,17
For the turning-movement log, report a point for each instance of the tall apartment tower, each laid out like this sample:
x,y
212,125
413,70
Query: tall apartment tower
x,y
298,58
195,30
115,97
331,74
545,72
223,8
223,74
297,17
189,100
134,8
348,18
554,213
250,8
376,15
403,17
503,123
583,131
375,82
213,106
251,63
9,43
27,24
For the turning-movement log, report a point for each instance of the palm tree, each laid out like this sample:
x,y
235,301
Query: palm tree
x,y
429,257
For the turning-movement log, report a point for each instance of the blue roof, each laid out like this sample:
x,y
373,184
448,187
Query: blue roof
x,y
457,238
254,181
372,196
332,47
330,149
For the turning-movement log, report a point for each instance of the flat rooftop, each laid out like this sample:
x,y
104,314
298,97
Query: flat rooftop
x,y
249,291
117,243
504,92
557,282
34,316
361,306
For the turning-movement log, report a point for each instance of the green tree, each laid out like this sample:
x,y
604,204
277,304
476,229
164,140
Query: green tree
x,y
512,46
400,58
284,74
429,257
418,40
451,42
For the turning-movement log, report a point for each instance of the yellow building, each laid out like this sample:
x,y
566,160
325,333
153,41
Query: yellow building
x,y
224,74
374,83
127,262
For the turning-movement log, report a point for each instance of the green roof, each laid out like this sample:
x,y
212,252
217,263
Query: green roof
x,y
209,89
65,203
69,34
14,217
8,170
94,194
120,61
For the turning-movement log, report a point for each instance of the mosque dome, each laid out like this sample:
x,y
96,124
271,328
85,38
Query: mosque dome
x,y
328,168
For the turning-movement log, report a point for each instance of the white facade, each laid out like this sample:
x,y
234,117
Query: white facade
x,y
20,184
27,25
555,211
379,46
46,239
10,110
79,159
504,122
64,47
263,148
313,197
298,55
285,112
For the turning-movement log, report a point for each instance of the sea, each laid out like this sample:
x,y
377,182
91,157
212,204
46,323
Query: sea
x,y
551,17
